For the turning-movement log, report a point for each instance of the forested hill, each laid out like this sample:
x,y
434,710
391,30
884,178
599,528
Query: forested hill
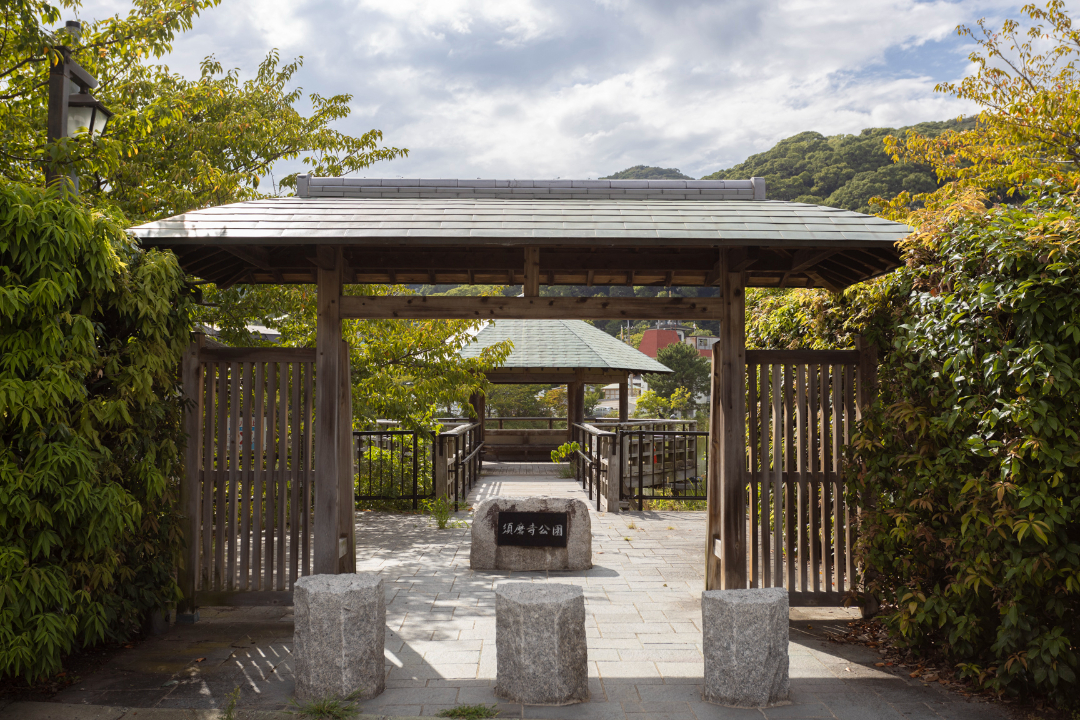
x,y
842,171
647,172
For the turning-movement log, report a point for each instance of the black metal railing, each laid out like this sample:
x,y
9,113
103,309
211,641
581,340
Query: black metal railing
x,y
664,468
392,469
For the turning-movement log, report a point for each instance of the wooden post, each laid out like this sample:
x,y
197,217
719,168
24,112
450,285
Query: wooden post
x,y
440,477
726,516
571,413
191,379
531,288
346,489
579,397
624,400
327,362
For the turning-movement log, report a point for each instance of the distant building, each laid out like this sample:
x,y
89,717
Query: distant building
x,y
670,333
609,405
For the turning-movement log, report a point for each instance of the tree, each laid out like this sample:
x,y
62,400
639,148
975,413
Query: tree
x,y
174,144
691,373
517,401
593,395
1026,84
91,333
652,405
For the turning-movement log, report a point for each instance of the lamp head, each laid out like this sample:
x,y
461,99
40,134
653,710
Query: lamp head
x,y
86,114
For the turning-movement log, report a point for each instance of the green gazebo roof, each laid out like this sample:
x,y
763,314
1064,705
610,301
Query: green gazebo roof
x,y
562,344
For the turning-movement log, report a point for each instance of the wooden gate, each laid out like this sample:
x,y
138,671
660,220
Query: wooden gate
x,y
801,409
248,489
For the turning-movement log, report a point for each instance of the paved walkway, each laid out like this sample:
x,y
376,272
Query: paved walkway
x,y
643,623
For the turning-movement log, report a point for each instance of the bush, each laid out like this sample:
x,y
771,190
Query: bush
x,y
970,460
91,333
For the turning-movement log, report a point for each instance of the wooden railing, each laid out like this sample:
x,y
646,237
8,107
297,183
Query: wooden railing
x,y
457,462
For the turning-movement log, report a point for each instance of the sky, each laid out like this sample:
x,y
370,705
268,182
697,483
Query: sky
x,y
584,88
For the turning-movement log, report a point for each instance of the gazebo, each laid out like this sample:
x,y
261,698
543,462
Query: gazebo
x,y
562,352
722,234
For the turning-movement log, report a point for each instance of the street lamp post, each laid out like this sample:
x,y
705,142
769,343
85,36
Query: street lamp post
x,y
69,111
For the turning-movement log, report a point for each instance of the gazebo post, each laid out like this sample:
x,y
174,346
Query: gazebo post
x,y
346,488
726,504
327,390
624,399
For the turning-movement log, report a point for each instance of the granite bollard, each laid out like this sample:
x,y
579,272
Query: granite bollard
x,y
745,634
339,636
489,551
540,649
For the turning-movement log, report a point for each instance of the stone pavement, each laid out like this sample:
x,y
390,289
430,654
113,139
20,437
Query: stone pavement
x,y
643,624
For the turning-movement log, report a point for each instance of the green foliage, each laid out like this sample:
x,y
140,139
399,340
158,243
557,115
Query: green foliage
x,y
174,144
652,405
325,709
91,333
388,474
593,395
471,712
517,401
971,458
564,452
1027,85
647,172
442,511
691,373
843,171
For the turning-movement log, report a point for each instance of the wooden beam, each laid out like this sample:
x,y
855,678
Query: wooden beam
x,y
326,257
801,356
532,272
191,378
327,366
257,354
252,255
809,257
418,307
555,377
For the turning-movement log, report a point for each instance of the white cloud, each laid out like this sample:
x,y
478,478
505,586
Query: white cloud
x,y
571,88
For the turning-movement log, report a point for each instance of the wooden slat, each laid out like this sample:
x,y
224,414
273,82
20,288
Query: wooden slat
x,y
245,599
258,476
755,473
849,428
232,533
295,476
777,475
270,485
207,489
789,467
256,354
246,477
309,444
801,443
221,455
813,380
837,478
826,485
283,474
328,359
191,377
762,536
787,357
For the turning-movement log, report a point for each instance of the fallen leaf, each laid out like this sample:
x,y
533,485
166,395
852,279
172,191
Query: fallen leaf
x,y
129,647
809,627
202,658
930,678
847,669
879,664
915,674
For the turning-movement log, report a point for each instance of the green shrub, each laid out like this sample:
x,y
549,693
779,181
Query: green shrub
x,y
970,460
91,332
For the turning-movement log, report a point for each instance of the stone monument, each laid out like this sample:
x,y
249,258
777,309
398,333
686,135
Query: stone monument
x,y
339,636
540,646
745,634
535,533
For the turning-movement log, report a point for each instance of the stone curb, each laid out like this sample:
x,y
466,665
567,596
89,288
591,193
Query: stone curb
x,y
64,711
